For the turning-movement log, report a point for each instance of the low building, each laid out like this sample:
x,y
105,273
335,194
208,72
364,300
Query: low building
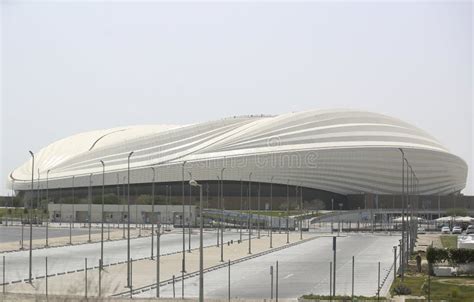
x,y
118,213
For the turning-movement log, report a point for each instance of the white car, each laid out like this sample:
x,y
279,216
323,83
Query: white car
x,y
445,230
470,229
421,230
457,230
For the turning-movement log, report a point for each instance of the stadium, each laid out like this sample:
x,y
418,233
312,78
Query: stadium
x,y
348,157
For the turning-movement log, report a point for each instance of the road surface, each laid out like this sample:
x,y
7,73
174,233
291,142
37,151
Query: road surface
x,y
303,269
68,258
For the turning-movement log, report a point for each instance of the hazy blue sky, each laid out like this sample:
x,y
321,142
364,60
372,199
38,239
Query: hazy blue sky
x,y
73,66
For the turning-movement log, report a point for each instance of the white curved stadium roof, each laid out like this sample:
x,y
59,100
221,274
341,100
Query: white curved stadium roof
x,y
342,151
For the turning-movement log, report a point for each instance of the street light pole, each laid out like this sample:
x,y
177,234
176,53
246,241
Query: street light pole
x,y
271,210
218,206
250,208
30,218
301,208
240,215
153,212
201,259
47,202
90,206
287,211
258,212
189,208
183,269
71,221
102,219
129,284
402,247
222,214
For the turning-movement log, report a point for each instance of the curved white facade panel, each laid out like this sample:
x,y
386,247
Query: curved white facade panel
x,y
342,151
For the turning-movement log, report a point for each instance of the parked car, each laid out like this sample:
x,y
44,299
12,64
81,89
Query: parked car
x,y
470,229
421,230
445,230
457,230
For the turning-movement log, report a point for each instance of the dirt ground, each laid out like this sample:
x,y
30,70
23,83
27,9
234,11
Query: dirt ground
x,y
115,234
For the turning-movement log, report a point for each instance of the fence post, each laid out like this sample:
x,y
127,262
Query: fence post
x,y
100,277
229,282
334,269
131,280
174,292
46,275
394,263
352,295
276,282
22,232
378,283
271,282
3,274
47,231
85,279
330,281
157,261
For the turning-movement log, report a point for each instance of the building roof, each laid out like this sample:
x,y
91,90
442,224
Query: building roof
x,y
344,151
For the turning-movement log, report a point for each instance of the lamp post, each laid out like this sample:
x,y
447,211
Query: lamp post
x,y
288,212
201,259
71,221
407,199
38,195
189,208
241,202
128,222
90,206
218,206
168,193
31,208
47,202
402,247
102,219
183,270
250,208
301,208
153,211
258,212
222,214
271,210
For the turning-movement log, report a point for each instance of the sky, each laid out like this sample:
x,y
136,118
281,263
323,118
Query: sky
x,y
73,66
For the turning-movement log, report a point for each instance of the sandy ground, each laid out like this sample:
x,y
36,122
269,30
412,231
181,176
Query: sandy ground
x,y
144,272
9,297
115,234
425,240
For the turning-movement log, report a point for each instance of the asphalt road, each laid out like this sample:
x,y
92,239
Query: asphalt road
x,y
13,233
303,269
67,258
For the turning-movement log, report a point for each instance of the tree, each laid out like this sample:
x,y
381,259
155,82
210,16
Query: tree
x,y
144,199
316,204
